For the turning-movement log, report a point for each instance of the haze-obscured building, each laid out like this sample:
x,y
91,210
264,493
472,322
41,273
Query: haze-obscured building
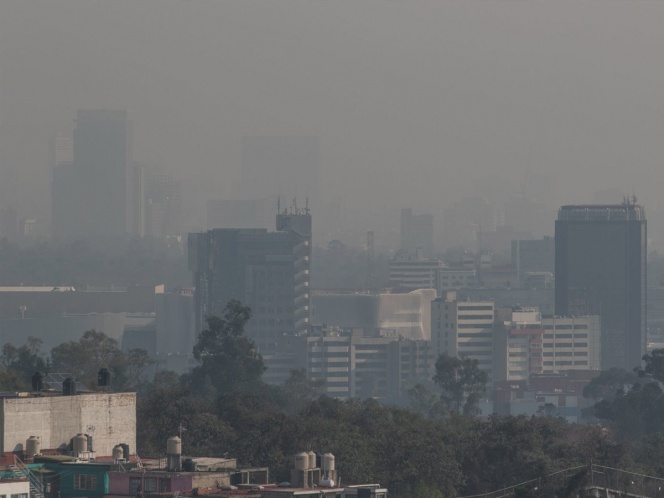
x,y
267,271
90,195
601,270
239,213
406,315
536,256
416,232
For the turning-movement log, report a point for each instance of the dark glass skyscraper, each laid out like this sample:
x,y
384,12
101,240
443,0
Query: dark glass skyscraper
x,y
601,270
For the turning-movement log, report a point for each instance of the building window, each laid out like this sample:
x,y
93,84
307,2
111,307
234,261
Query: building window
x,y
134,485
85,482
150,485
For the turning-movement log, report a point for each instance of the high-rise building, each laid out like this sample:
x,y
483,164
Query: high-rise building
x,y
267,271
601,270
464,328
416,233
163,206
90,194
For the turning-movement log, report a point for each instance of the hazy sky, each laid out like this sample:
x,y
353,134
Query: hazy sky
x,y
412,101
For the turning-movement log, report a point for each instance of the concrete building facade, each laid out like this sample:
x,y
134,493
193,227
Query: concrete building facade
x,y
110,418
464,328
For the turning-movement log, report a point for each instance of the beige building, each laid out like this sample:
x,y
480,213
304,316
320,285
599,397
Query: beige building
x,y
463,328
109,418
367,367
533,344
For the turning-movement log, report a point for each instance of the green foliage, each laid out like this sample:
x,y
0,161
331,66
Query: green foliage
x,y
654,365
462,383
227,359
20,363
84,358
609,383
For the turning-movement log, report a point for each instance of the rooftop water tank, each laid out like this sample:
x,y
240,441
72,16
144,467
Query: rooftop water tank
x,y
326,482
328,462
33,446
117,452
174,446
302,461
80,443
104,378
69,386
312,459
37,381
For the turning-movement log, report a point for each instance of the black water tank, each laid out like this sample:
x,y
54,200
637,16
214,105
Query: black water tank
x,y
37,381
125,451
69,386
188,465
104,378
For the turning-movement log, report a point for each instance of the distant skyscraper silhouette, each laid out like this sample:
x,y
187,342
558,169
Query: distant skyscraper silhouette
x,y
416,233
601,270
90,194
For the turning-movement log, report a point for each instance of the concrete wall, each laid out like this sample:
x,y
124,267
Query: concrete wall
x,y
56,419
8,488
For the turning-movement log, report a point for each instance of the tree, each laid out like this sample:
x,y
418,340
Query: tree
x,y
83,359
654,366
609,383
225,356
23,361
462,383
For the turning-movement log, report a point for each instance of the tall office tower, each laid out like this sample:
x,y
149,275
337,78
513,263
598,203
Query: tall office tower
x,y
163,206
464,328
601,270
416,233
90,194
267,271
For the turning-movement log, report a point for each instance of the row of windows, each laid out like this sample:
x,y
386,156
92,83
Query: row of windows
x,y
577,326
566,345
566,363
567,353
475,317
566,336
148,484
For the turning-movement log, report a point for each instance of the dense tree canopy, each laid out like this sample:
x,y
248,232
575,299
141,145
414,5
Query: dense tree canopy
x,y
462,383
227,359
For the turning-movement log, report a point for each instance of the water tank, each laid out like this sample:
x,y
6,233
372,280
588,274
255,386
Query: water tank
x,y
33,446
328,462
80,443
301,461
37,381
326,482
125,451
188,465
69,386
173,446
117,452
104,378
312,459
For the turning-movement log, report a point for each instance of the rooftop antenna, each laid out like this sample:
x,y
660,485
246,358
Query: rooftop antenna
x,y
306,205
